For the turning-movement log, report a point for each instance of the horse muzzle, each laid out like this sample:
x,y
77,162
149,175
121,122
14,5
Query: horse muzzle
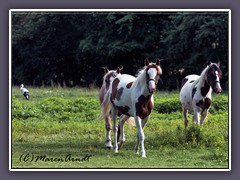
x,y
151,91
217,89
151,86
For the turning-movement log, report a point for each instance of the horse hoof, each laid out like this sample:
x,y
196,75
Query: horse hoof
x,y
115,150
108,147
120,144
108,144
144,154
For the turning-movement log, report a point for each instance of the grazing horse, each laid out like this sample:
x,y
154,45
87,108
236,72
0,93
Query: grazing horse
x,y
132,96
196,92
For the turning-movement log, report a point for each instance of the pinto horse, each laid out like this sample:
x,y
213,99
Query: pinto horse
x,y
132,96
196,92
107,79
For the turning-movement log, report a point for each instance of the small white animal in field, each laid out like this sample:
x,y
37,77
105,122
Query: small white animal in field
x,y
24,92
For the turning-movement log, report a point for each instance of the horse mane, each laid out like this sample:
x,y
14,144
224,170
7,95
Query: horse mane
x,y
202,76
140,71
140,76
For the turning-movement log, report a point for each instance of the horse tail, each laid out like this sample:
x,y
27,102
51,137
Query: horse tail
x,y
131,121
105,106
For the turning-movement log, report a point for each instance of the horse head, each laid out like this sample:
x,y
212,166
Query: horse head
x,y
153,70
214,75
110,75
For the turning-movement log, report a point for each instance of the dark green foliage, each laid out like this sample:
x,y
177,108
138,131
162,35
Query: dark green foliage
x,y
69,48
194,40
193,134
219,103
44,47
167,105
57,109
173,104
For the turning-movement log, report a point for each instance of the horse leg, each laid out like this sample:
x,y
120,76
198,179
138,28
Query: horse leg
x,y
137,144
114,118
108,142
196,116
144,121
141,136
121,135
204,115
185,114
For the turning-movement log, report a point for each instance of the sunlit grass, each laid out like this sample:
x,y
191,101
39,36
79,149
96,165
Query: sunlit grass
x,y
61,121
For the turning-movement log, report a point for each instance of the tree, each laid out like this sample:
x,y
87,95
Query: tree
x,y
121,38
70,48
44,47
194,40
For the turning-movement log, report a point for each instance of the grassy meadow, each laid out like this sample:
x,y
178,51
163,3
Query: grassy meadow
x,y
59,128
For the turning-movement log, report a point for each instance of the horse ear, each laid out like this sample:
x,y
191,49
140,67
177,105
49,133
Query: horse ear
x,y
119,70
120,67
158,61
209,63
146,62
218,64
106,70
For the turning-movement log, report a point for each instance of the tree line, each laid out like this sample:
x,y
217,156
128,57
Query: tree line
x,y
69,48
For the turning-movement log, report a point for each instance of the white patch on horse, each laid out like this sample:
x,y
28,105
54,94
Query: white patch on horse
x,y
217,80
152,73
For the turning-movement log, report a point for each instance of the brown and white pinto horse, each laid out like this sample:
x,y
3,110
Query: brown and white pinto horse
x,y
107,79
196,92
132,96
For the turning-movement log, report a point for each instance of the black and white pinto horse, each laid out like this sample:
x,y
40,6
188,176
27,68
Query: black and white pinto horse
x,y
24,92
196,92
133,97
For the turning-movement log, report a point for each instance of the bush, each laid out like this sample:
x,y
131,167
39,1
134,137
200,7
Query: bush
x,y
167,105
219,103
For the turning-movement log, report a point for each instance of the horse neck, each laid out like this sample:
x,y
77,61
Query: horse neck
x,y
141,82
203,85
104,77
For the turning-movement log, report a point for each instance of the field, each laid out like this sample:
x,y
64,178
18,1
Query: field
x,y
59,128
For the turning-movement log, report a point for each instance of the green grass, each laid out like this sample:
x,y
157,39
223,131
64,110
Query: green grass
x,y
57,122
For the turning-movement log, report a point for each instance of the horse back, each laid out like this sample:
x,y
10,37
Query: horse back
x,y
187,90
